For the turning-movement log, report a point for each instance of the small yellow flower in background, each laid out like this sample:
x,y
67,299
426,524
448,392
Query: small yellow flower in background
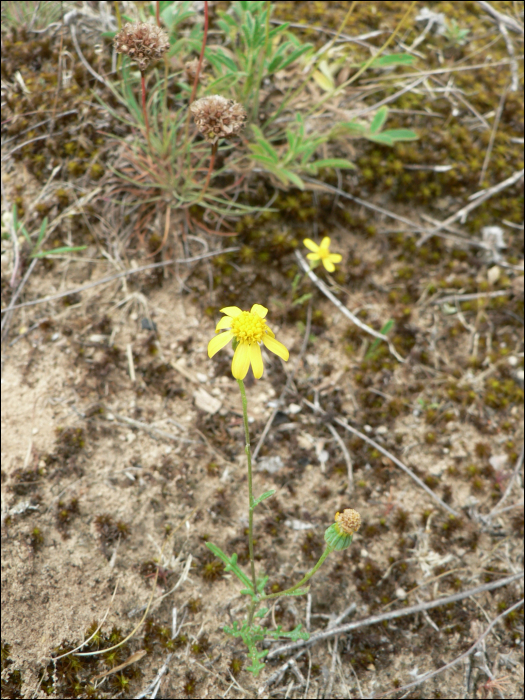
x,y
249,329
322,252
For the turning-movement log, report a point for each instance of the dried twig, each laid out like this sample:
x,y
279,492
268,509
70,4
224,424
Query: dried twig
x,y
497,508
324,289
388,454
455,661
515,81
478,198
497,118
375,619
346,455
500,17
105,280
154,432
454,298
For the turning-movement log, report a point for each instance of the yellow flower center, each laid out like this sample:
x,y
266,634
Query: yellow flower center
x,y
248,327
323,253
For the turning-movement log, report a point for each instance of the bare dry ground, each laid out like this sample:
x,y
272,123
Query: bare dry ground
x,y
122,442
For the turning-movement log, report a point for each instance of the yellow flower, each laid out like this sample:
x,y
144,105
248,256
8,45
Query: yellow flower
x,y
249,329
322,252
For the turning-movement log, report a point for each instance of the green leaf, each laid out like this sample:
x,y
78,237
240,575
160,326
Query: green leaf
x,y
380,138
42,233
231,565
378,120
218,57
399,59
262,612
293,177
57,251
261,498
302,299
373,348
299,591
334,163
401,134
295,55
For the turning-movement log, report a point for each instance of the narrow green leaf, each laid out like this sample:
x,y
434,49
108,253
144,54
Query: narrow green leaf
x,y
299,591
401,134
302,299
42,233
295,55
262,612
399,59
373,348
380,138
57,251
334,163
294,178
263,497
378,120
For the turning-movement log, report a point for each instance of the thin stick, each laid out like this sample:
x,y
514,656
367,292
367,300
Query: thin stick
x,y
201,57
412,610
346,455
497,118
324,289
105,280
462,656
388,454
468,297
479,198
497,508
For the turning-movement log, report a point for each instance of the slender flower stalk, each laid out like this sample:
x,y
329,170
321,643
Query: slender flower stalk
x,y
144,109
248,452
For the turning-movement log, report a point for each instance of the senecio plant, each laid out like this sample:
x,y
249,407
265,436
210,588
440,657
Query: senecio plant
x,y
247,330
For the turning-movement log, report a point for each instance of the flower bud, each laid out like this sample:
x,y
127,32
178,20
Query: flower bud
x,y
217,117
339,535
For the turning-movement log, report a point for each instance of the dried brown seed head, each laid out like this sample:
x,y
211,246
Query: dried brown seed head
x,y
143,42
217,117
190,69
349,521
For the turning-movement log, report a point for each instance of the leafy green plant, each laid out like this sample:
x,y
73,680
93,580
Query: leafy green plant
x,y
35,246
373,131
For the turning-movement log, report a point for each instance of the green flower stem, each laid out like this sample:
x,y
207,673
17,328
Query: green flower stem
x,y
250,485
308,576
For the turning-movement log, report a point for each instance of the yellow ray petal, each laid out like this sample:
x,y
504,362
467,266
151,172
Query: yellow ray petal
x,y
261,311
325,243
241,361
311,245
313,256
232,311
335,257
219,342
328,265
225,322
270,332
276,347
256,360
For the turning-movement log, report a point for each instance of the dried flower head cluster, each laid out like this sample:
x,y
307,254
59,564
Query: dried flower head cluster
x,y
217,117
143,42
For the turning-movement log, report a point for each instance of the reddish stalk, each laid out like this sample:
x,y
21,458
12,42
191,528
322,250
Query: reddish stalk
x,y
157,12
201,57
214,147
143,86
